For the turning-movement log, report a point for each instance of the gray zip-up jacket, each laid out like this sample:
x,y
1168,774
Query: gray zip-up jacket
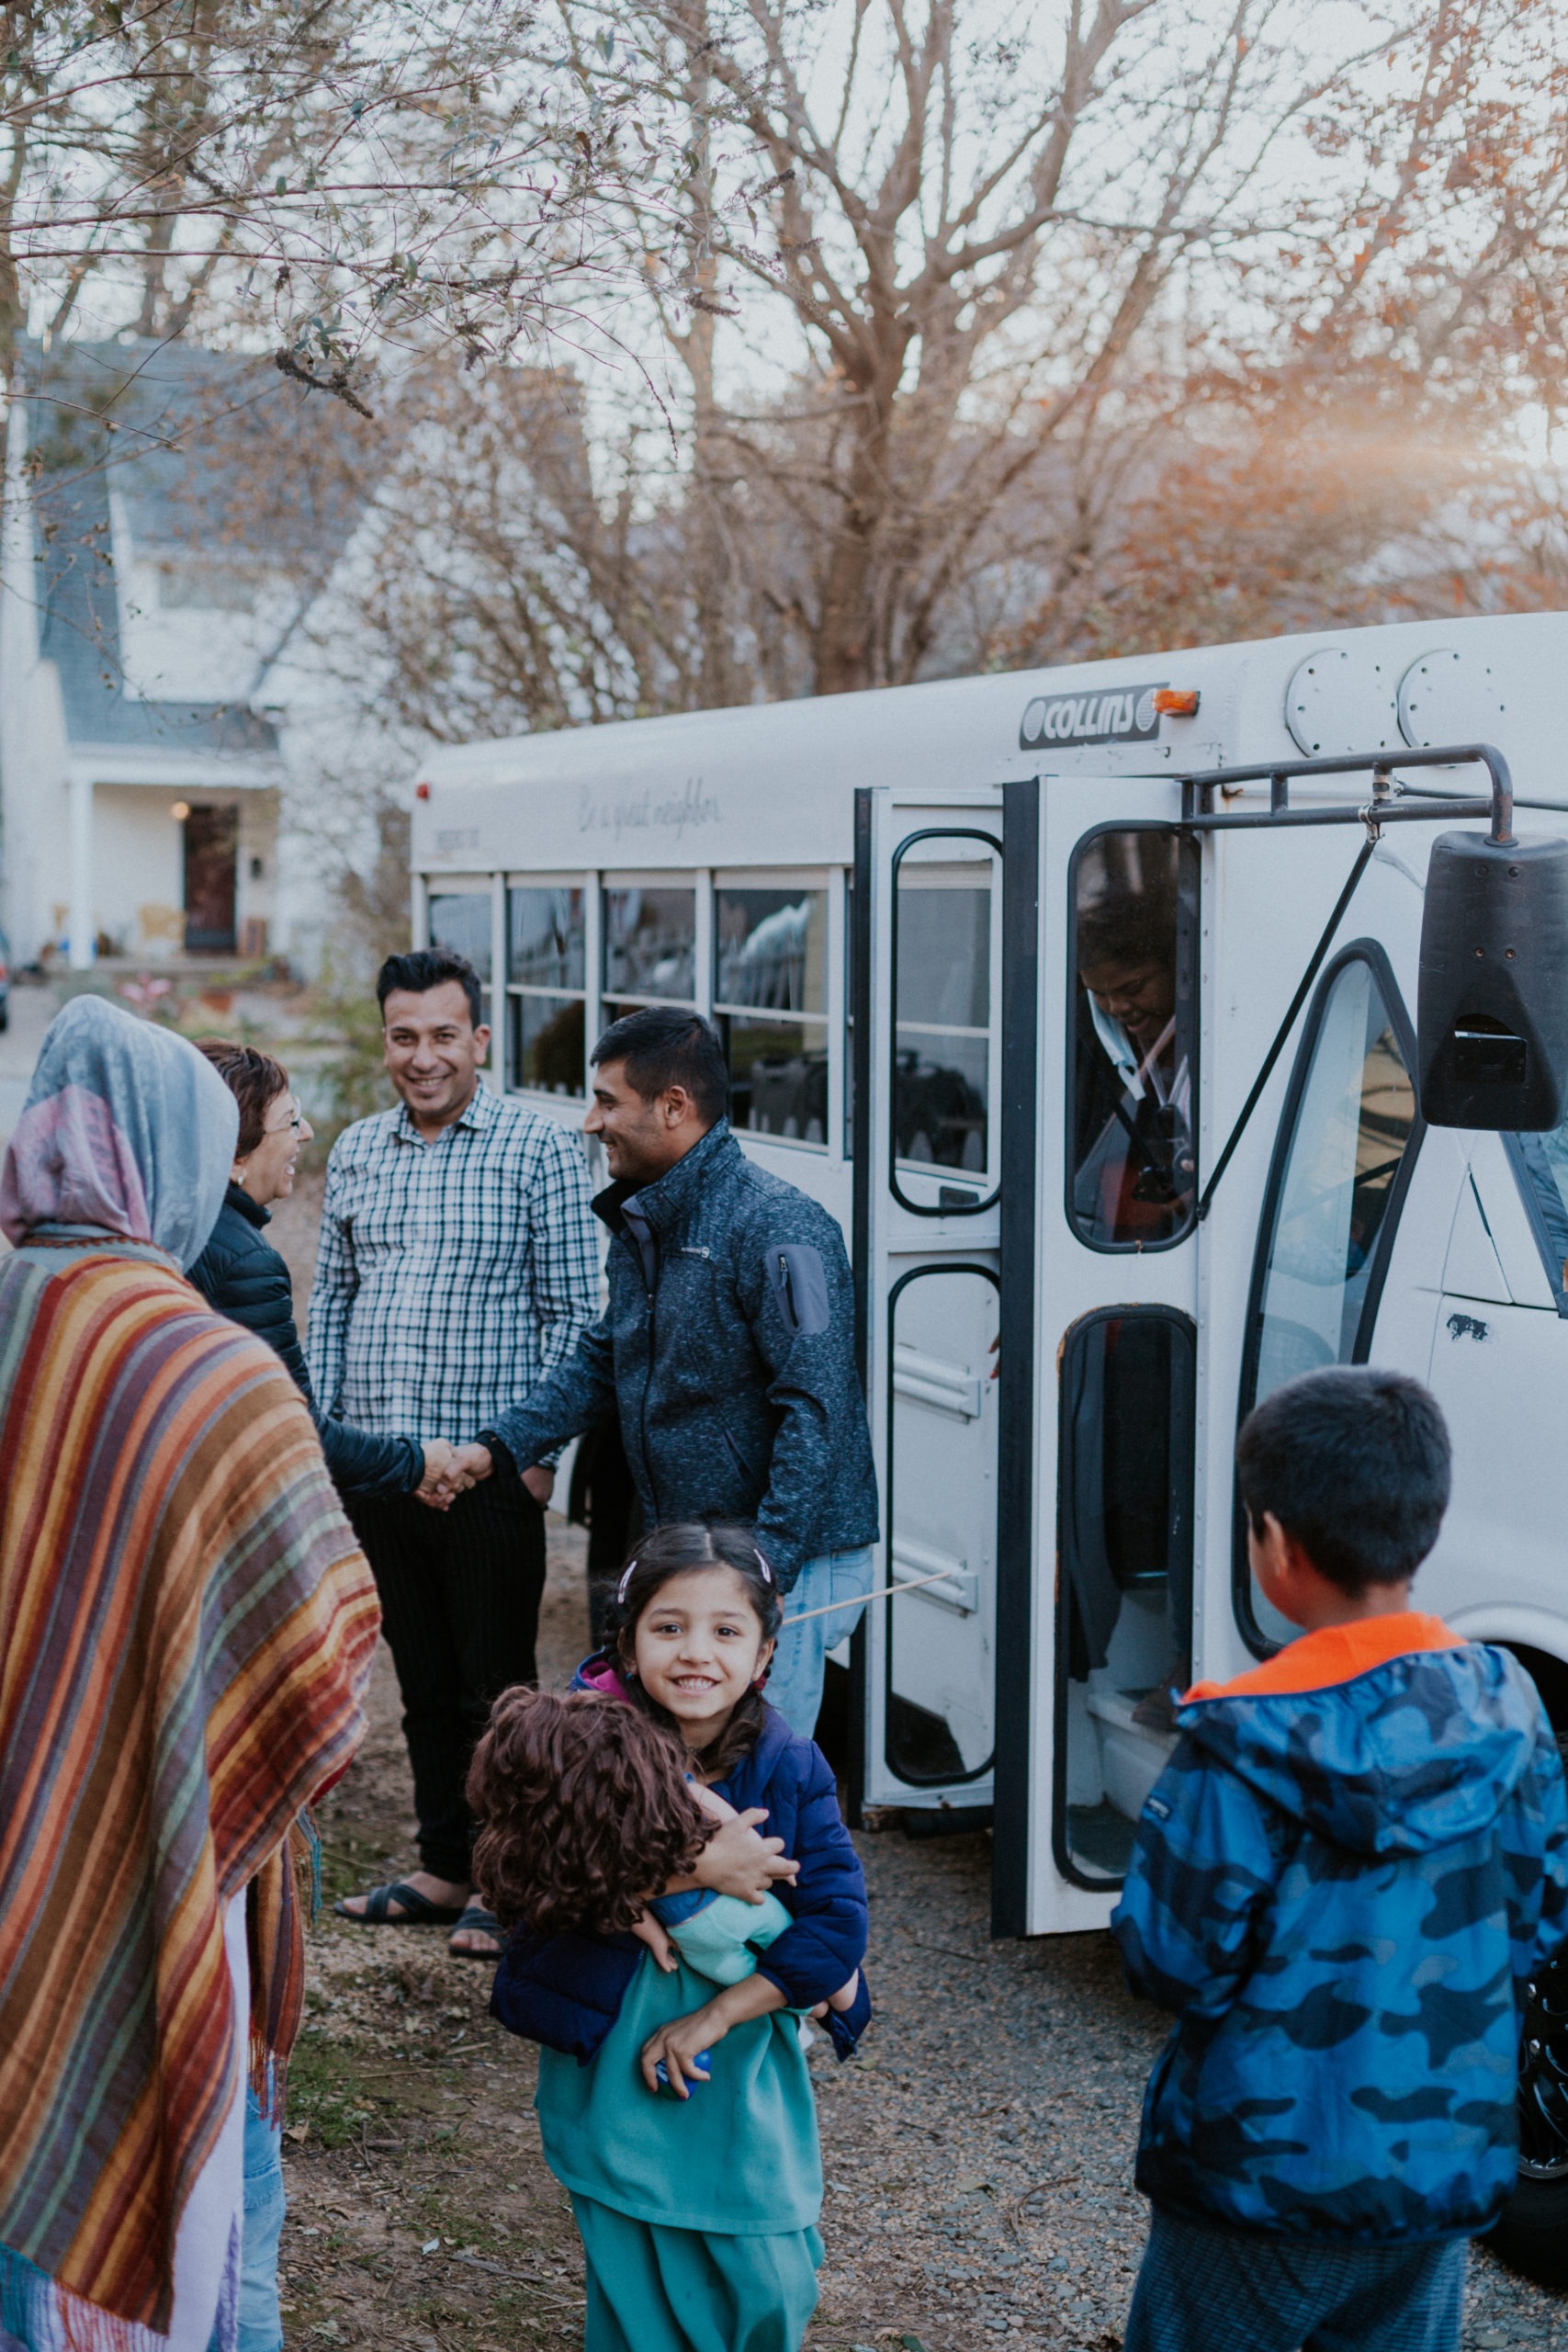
x,y
727,1349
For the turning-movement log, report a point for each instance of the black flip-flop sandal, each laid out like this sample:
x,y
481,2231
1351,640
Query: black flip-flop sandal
x,y
417,1910
484,1923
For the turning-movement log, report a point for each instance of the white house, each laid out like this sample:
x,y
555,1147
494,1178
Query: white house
x,y
141,776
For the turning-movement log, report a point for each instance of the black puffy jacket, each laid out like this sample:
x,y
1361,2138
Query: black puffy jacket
x,y
240,1275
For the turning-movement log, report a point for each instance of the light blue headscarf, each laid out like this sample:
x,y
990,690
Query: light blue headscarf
x,y
128,1130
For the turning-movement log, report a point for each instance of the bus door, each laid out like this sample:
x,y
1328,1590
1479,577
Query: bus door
x,y
926,981
1113,1284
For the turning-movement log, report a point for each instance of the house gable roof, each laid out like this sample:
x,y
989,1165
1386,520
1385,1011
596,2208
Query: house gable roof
x,y
145,422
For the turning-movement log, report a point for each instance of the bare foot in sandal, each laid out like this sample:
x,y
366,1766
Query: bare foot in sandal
x,y
478,1934
439,1901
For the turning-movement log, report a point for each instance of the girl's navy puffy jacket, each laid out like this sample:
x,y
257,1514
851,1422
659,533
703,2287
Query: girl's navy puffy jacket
x,y
566,1990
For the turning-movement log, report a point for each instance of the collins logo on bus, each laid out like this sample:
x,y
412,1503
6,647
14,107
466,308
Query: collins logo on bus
x,y
1126,716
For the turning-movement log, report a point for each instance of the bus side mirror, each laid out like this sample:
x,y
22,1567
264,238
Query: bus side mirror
x,y
1492,1010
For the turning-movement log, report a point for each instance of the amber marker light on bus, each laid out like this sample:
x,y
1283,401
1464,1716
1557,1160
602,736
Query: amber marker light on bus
x,y
1176,702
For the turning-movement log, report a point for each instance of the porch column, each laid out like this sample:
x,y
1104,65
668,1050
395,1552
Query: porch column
x,y
83,931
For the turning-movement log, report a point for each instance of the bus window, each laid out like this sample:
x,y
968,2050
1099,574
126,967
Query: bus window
x,y
546,972
650,948
1132,1170
1345,1153
770,1001
459,921
1541,1164
1125,1632
943,995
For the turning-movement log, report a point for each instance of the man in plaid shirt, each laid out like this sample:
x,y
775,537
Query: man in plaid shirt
x,y
459,1262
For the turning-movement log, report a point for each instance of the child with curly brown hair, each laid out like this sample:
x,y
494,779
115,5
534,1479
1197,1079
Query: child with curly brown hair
x,y
698,2215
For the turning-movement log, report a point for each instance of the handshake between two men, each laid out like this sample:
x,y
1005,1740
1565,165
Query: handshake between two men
x,y
451,1470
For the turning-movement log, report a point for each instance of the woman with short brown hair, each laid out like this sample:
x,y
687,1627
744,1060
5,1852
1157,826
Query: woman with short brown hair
x,y
241,1275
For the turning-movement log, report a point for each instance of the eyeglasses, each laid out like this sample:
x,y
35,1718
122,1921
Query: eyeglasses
x,y
283,1125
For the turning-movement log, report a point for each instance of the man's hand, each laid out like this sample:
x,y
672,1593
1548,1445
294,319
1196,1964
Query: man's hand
x,y
735,1860
541,1484
466,1466
434,1487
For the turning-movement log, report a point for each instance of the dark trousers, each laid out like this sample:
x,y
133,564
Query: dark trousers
x,y
604,1501
1207,2287
461,1609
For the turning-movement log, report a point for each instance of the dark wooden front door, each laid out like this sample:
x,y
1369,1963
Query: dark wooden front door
x,y
211,856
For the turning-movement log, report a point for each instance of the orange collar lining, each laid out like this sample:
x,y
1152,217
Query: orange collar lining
x,y
1336,1653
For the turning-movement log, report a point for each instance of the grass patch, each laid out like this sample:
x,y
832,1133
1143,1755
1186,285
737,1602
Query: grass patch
x,y
325,2091
349,1864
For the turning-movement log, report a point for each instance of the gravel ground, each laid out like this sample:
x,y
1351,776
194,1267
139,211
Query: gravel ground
x,y
979,2157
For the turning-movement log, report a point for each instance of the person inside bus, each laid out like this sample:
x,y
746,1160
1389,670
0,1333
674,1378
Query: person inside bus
x,y
1132,1097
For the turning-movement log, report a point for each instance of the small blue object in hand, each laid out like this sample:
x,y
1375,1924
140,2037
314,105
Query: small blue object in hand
x,y
661,2072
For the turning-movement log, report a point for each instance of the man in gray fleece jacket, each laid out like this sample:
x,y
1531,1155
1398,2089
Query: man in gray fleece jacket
x,y
726,1350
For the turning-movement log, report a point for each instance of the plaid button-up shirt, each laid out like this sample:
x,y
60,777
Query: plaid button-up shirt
x,y
452,1276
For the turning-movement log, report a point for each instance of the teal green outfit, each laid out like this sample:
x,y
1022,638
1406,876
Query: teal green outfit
x,y
698,2216
652,2290
718,1935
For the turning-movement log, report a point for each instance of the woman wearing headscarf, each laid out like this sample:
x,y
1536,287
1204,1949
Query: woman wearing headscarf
x,y
186,1630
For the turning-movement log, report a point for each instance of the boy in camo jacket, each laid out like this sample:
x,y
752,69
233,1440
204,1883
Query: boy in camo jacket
x,y
1354,1863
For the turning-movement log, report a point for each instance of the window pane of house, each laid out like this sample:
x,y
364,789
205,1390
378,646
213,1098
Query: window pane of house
x,y
547,1044
771,948
778,1077
545,938
649,944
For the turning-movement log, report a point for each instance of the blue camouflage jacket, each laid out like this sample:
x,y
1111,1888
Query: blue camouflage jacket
x,y
727,1353
1341,1884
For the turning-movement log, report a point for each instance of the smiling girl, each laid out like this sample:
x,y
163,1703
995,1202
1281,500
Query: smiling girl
x,y
697,2210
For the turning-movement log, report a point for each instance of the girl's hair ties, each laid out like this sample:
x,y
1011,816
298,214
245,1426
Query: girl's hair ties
x,y
761,1563
621,1587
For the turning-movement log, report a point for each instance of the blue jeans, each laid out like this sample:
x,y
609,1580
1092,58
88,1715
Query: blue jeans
x,y
1207,2287
261,2323
795,1683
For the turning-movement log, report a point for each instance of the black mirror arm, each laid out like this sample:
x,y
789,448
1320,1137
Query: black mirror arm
x,y
1304,989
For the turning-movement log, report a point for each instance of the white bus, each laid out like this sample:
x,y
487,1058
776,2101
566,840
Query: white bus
x,y
888,903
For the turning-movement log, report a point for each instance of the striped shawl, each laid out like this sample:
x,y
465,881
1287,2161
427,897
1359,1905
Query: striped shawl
x,y
186,1631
